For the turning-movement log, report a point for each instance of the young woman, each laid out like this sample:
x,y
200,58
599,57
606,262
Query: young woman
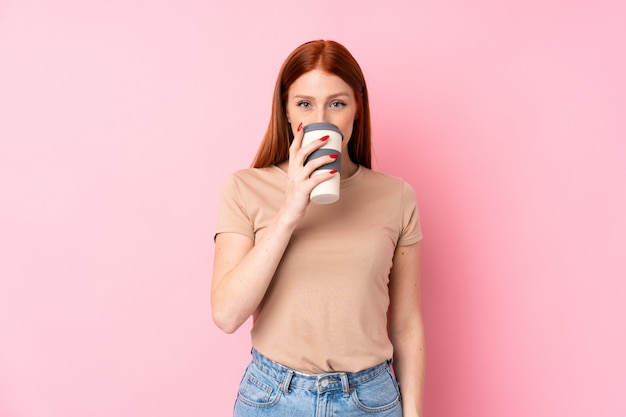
x,y
333,289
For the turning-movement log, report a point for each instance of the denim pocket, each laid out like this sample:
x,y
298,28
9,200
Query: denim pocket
x,y
257,389
379,394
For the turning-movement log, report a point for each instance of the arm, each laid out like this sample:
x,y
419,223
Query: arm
x,y
406,329
243,269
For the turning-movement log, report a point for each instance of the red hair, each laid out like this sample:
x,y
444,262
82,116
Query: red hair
x,y
333,58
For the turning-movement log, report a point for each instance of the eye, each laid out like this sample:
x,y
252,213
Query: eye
x,y
304,104
337,104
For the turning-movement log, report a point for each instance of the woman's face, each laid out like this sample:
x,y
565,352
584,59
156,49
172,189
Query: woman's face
x,y
318,96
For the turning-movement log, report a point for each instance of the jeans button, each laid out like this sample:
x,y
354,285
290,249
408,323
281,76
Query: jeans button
x,y
324,383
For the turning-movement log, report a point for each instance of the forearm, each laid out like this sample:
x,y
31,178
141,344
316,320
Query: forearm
x,y
240,287
409,361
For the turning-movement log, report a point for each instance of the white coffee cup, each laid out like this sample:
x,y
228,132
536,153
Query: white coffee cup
x,y
327,191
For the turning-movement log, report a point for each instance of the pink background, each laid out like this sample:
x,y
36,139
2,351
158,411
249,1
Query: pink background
x,y
119,121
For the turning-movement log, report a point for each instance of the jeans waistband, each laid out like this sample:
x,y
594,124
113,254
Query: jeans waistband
x,y
315,382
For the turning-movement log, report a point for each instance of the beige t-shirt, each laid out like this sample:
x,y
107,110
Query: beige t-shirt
x,y
326,307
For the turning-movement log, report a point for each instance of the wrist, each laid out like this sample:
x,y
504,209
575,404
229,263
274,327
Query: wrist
x,y
287,221
409,413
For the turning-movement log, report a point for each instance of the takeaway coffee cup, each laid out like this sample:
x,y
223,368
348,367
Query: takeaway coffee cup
x,y
327,191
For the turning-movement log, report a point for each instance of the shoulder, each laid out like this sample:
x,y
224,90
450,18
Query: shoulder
x,y
252,173
383,181
255,176
373,175
256,186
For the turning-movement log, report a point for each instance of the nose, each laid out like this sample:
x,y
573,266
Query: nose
x,y
321,115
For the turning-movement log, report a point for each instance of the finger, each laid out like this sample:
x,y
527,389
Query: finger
x,y
320,161
309,170
320,177
301,148
309,147
298,135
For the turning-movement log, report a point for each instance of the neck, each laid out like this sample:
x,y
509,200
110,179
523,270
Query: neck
x,y
348,168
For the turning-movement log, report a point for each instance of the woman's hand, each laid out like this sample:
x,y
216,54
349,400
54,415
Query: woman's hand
x,y
300,183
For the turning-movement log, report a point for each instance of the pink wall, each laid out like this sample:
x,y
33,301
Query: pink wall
x,y
119,120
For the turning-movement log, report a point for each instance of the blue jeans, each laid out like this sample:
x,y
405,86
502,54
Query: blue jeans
x,y
271,389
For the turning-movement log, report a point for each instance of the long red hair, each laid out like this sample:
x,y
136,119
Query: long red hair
x,y
334,58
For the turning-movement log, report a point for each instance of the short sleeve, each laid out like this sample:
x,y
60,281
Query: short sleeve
x,y
411,231
232,214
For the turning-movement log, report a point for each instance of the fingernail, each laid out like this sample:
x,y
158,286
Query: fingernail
x,y
334,171
300,127
323,138
334,156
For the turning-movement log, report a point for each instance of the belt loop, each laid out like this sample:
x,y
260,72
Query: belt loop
x,y
345,385
286,382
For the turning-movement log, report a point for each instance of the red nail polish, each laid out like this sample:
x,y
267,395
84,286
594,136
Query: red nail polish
x,y
334,171
334,156
300,127
323,138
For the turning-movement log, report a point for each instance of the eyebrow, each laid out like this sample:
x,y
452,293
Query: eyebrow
x,y
300,96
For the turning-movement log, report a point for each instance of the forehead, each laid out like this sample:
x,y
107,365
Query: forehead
x,y
319,83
